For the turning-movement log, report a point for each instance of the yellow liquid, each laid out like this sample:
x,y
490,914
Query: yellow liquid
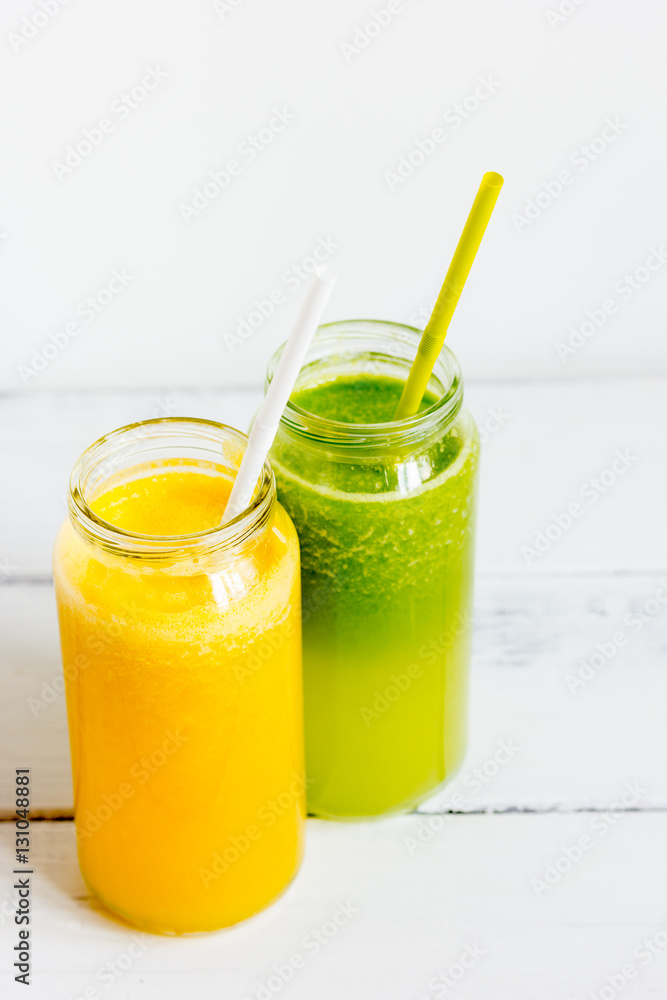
x,y
185,708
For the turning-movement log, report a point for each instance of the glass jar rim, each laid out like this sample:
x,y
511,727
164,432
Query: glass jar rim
x,y
189,430
442,412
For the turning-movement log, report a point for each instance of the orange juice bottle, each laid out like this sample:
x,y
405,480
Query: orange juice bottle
x,y
181,645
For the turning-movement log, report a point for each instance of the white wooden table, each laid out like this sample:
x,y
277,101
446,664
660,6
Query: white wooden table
x,y
477,902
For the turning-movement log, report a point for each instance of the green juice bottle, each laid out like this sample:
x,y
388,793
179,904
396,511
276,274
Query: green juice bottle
x,y
385,512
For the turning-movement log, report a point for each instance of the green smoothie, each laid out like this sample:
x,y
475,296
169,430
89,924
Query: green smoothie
x,y
386,537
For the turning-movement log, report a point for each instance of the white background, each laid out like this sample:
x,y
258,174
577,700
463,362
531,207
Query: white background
x,y
550,675
355,114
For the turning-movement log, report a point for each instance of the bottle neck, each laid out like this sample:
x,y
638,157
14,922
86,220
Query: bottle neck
x,y
372,348
120,456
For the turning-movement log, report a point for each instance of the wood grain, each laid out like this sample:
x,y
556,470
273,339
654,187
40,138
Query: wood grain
x,y
567,735
578,747
412,913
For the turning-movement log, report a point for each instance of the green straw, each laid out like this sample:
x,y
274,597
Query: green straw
x,y
436,329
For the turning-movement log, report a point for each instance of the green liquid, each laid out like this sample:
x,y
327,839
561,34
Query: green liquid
x,y
387,586
356,399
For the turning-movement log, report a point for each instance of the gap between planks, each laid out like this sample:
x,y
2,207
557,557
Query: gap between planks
x,y
56,816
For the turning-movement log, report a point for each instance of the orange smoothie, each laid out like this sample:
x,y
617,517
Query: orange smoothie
x,y
182,658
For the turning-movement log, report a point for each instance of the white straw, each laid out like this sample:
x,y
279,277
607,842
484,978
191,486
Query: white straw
x,y
268,419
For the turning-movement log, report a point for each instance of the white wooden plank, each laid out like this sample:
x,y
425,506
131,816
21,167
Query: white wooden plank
x,y
34,719
417,910
581,740
578,747
561,446
551,440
